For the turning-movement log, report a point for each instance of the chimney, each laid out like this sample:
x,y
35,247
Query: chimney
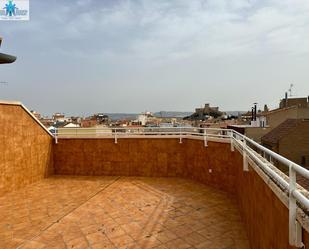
x,y
255,109
252,113
286,99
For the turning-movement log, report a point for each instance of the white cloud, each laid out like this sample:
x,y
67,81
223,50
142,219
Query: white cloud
x,y
146,42
157,29
176,29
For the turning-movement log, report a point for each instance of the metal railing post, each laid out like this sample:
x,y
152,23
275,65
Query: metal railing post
x,y
180,136
245,159
271,160
116,140
56,136
295,229
205,138
232,142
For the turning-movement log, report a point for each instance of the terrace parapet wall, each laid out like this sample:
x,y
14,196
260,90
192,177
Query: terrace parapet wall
x,y
265,215
25,146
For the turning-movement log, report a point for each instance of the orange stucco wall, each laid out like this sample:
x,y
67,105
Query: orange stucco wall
x,y
147,157
26,149
265,215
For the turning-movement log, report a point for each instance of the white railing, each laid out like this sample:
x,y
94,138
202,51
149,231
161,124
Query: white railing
x,y
261,156
253,150
142,132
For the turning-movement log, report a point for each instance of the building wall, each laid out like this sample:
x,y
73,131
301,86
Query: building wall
x,y
146,157
265,216
88,123
277,117
256,133
77,132
303,113
296,144
26,149
139,157
211,165
303,102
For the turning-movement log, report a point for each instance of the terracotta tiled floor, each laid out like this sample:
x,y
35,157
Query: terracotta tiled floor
x,y
113,212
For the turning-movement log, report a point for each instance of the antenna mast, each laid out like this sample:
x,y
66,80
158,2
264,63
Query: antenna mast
x,y
290,90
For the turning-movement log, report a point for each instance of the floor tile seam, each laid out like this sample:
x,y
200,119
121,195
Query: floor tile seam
x,y
163,202
66,214
149,189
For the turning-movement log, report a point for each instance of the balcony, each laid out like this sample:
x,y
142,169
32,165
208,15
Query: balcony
x,y
147,188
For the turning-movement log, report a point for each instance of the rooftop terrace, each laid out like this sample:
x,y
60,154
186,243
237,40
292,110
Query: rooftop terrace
x,y
120,212
146,188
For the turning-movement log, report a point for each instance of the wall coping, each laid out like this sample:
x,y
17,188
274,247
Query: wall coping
x,y
17,103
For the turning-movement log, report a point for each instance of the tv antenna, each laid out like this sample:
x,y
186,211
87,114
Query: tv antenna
x,y
290,89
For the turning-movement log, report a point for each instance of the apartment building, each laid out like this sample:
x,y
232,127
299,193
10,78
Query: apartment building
x,y
264,122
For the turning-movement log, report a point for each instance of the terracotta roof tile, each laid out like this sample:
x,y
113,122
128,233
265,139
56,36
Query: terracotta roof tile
x,y
280,131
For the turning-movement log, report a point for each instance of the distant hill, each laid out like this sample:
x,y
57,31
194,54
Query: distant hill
x,y
122,116
163,114
171,114
234,113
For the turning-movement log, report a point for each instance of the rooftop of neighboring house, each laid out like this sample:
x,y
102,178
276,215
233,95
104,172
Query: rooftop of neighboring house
x,y
274,136
297,101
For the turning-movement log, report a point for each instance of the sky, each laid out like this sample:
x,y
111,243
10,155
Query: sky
x,y
86,56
